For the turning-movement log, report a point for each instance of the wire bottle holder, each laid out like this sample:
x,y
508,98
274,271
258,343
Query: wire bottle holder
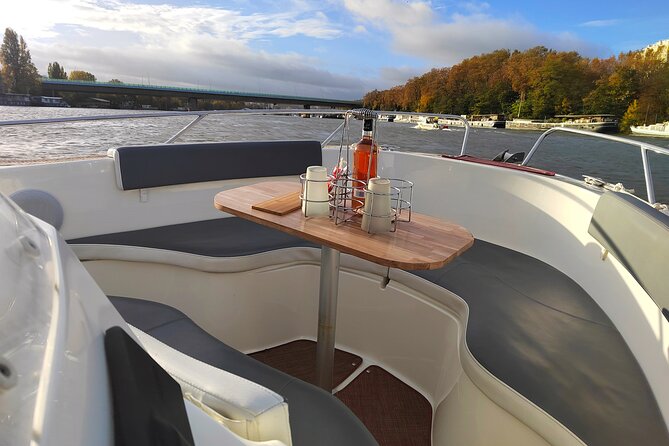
x,y
344,191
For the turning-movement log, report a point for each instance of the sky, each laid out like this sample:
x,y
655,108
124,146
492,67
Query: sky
x,y
322,48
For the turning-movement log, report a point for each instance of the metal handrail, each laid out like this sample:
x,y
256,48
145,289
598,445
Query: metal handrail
x,y
170,114
644,146
438,115
198,116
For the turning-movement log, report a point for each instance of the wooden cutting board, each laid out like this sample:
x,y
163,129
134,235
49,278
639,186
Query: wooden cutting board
x,y
281,205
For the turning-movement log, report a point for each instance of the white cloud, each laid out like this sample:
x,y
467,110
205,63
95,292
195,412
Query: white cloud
x,y
600,23
416,30
359,29
225,48
197,45
391,76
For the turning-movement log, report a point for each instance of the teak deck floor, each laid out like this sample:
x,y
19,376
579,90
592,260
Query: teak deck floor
x,y
392,411
298,359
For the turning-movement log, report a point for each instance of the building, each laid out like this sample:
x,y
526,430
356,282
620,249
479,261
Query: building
x,y
660,49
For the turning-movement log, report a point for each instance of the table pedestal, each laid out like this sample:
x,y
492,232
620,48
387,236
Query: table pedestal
x,y
327,317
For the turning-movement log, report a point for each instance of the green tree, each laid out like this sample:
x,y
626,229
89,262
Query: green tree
x,y
115,81
56,71
614,93
79,75
18,70
539,83
633,116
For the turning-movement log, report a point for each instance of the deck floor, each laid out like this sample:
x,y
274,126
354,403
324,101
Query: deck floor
x,y
393,412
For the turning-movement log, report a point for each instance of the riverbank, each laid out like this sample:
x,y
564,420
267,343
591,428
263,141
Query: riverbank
x,y
26,100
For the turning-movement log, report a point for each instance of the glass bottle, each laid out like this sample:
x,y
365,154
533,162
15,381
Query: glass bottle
x,y
363,150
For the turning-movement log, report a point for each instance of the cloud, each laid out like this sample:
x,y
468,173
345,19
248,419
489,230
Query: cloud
x,y
391,76
198,45
600,23
416,30
474,7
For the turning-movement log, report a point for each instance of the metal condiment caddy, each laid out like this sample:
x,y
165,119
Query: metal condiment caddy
x,y
345,202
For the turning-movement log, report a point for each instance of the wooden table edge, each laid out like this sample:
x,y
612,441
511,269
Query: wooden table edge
x,y
344,249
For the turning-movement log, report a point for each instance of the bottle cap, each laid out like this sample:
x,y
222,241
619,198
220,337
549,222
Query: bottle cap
x,y
368,125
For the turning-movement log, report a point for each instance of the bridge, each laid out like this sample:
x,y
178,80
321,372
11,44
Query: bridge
x,y
192,94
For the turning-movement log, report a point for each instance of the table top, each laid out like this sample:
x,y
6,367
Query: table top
x,y
423,243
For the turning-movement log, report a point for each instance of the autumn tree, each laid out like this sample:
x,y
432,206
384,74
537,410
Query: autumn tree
x,y
539,83
18,71
56,71
79,75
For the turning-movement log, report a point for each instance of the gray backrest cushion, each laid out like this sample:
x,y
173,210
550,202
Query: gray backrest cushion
x,y
163,165
638,236
40,204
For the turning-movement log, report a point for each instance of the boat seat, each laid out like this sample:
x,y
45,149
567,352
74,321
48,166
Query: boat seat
x,y
139,167
539,332
222,237
316,417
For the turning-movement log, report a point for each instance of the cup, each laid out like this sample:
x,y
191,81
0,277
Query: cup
x,y
315,192
377,215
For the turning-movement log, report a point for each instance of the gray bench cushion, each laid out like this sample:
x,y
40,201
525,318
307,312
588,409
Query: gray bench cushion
x,y
169,164
539,332
638,236
316,417
223,237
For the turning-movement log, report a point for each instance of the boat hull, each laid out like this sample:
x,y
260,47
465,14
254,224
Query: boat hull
x,y
661,131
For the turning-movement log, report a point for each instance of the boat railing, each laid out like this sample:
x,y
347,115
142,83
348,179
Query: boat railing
x,y
643,146
464,121
199,115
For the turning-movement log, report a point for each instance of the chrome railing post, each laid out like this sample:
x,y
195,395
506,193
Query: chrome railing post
x,y
183,130
327,140
650,189
465,137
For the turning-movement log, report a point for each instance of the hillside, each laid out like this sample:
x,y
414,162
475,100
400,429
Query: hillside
x,y
539,83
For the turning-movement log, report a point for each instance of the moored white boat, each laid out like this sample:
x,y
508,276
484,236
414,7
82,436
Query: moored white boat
x,y
659,129
429,123
551,329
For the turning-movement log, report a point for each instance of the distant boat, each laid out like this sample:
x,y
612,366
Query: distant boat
x,y
25,100
600,123
659,129
429,123
48,101
497,121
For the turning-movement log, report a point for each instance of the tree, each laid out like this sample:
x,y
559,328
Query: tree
x,y
56,71
18,70
79,75
115,81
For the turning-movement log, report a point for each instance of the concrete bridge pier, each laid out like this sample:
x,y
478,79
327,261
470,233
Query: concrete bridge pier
x,y
192,104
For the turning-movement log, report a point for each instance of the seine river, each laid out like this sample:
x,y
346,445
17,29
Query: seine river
x,y
569,155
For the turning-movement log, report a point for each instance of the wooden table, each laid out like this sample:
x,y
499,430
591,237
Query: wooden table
x,y
424,243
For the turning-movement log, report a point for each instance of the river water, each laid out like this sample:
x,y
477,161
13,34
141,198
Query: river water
x,y
569,155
